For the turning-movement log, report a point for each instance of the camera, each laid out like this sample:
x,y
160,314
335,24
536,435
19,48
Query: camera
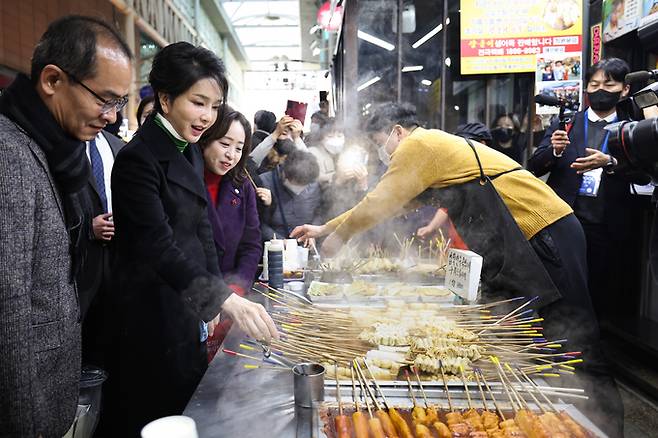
x,y
633,140
564,117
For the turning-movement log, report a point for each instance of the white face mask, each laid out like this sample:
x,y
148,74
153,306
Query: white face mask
x,y
334,145
384,156
295,188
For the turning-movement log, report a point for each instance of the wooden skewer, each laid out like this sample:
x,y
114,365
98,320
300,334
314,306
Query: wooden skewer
x,y
362,382
468,393
422,390
251,179
254,367
502,381
516,377
372,376
445,385
484,399
493,398
532,383
411,391
340,407
369,391
354,400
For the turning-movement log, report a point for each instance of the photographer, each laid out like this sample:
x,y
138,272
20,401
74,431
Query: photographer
x,y
582,172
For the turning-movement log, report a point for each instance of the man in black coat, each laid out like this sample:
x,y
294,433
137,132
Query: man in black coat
x,y
585,175
94,279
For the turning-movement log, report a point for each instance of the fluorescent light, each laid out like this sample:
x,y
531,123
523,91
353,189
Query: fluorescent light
x,y
316,51
368,105
409,68
374,40
426,82
448,61
447,21
314,29
368,83
429,35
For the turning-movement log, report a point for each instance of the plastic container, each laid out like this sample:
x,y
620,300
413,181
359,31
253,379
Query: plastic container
x,y
275,264
176,426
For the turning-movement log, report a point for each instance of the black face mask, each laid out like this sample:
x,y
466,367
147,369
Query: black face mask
x,y
502,135
602,100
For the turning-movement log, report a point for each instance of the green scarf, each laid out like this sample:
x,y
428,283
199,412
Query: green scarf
x,y
180,144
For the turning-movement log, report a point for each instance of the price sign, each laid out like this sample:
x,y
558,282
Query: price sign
x,y
463,273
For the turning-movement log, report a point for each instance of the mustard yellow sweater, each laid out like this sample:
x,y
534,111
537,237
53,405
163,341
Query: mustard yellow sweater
x,y
436,159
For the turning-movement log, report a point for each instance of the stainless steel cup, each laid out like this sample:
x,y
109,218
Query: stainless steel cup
x,y
308,384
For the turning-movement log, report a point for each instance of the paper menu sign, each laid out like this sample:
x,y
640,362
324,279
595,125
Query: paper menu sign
x,y
463,273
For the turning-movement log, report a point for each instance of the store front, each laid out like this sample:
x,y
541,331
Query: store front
x,y
423,64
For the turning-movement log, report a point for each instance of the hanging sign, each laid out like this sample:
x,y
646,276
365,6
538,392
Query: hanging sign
x,y
505,36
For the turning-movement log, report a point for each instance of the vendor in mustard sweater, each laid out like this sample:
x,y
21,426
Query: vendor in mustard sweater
x,y
530,240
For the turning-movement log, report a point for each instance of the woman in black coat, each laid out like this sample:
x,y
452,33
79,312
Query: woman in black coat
x,y
168,288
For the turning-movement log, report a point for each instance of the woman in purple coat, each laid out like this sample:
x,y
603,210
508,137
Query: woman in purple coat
x,y
232,207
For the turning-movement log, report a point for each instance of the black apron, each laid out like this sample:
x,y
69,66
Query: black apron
x,y
511,267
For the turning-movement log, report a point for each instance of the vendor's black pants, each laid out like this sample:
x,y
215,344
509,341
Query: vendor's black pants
x,y
562,249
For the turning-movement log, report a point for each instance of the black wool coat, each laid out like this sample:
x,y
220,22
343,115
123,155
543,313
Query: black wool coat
x,y
166,278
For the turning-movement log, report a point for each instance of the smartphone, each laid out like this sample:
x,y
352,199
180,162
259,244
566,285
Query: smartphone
x,y
296,110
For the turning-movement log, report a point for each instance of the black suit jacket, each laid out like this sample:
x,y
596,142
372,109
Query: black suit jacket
x,y
165,277
97,262
566,182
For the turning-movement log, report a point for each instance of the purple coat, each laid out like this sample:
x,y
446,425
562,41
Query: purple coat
x,y
236,230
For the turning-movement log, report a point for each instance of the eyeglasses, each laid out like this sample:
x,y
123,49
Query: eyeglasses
x,y
116,104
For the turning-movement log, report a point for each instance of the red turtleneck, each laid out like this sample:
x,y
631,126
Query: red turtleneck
x,y
212,184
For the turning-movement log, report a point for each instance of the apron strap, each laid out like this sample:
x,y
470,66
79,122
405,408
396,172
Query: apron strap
x,y
483,177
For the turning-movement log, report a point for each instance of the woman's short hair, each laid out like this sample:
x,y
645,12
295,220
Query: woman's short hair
x,y
301,167
219,129
178,66
386,115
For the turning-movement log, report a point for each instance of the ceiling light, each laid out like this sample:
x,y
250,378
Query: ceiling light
x,y
368,83
448,61
447,21
316,51
426,82
409,68
313,29
456,107
374,40
429,35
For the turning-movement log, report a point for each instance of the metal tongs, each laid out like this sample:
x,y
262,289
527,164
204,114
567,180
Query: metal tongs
x,y
267,354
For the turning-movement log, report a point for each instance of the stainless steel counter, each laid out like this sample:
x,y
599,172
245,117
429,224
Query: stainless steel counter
x,y
232,401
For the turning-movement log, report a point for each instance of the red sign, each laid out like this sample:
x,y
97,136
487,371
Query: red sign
x,y
328,21
596,42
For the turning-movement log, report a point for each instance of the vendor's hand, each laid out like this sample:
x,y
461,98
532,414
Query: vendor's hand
x,y
103,227
251,318
264,195
594,159
212,324
304,232
559,141
310,243
296,128
331,245
282,126
425,232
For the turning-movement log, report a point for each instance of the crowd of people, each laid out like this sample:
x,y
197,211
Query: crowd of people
x,y
136,257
